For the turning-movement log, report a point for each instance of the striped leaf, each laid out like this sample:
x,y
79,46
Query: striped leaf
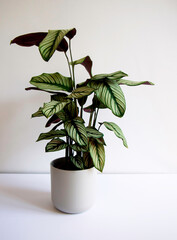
x,y
116,129
111,95
51,42
77,161
59,96
39,113
88,162
69,112
52,134
97,153
100,140
94,133
133,83
77,131
53,107
81,92
86,62
52,81
110,76
78,148
55,145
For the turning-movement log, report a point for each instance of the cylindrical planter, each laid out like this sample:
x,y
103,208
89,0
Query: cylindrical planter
x,y
72,191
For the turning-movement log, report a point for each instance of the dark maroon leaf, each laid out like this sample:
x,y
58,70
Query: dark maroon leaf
x,y
53,119
29,39
89,109
38,89
71,33
34,39
87,63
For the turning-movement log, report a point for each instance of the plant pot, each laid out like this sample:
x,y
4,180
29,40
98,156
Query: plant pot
x,y
72,191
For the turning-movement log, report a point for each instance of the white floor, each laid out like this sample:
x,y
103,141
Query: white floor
x,y
128,207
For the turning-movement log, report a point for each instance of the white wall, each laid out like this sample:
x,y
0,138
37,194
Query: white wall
x,y
138,37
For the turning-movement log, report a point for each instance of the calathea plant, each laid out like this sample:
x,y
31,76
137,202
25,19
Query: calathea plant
x,y
83,142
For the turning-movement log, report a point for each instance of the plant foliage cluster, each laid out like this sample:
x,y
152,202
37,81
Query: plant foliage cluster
x,y
83,143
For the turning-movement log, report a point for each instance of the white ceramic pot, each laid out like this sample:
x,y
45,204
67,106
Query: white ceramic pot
x,y
73,191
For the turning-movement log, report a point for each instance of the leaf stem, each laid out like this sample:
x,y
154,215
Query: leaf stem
x,y
100,125
90,120
67,148
95,117
68,65
72,63
81,113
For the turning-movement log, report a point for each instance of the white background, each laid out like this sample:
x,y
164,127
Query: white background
x,y
138,37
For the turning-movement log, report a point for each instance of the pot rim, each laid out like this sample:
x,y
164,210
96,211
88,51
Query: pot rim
x,y
67,170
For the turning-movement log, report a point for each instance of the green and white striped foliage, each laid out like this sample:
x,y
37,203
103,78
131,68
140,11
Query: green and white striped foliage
x,y
77,131
52,81
55,145
111,95
52,134
97,153
50,43
116,129
53,107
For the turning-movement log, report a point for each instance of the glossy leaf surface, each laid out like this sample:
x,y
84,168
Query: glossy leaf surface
x,y
52,81
77,161
116,129
111,95
52,134
97,153
81,92
55,145
133,83
53,107
77,131
51,42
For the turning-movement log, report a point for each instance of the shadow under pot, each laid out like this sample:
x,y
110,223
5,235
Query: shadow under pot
x,y
72,191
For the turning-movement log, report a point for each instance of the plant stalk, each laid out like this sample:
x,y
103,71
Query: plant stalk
x,y
90,119
68,65
95,117
73,78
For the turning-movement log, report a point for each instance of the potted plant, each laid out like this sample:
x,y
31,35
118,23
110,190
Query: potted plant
x,y
73,176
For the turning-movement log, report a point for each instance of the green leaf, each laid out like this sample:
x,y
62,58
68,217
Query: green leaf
x,y
55,145
59,97
77,131
133,83
77,161
69,112
53,107
100,140
97,153
86,62
82,101
52,81
111,95
94,133
116,129
39,113
88,162
110,76
97,103
78,148
51,42
81,92
52,134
